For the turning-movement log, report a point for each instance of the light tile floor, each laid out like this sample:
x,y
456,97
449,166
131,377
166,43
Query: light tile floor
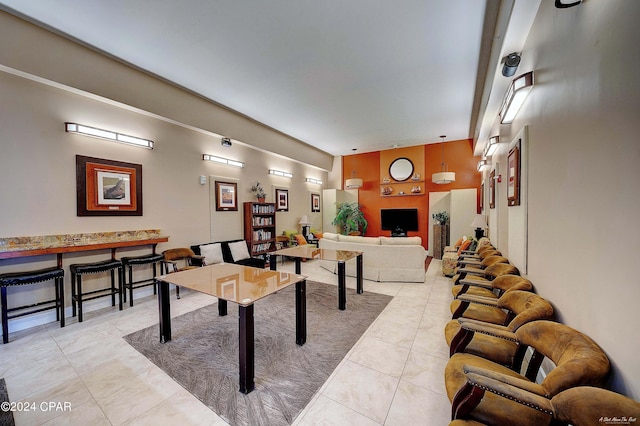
x,y
392,376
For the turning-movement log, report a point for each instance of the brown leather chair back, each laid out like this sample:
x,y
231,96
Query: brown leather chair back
x,y
578,359
525,306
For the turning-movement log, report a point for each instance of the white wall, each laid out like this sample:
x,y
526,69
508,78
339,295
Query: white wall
x,y
584,178
37,168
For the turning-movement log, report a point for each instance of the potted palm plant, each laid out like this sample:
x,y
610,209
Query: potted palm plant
x,y
350,218
258,191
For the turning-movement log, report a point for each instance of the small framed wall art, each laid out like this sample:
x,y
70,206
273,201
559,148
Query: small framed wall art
x,y
226,196
513,180
492,189
282,200
315,203
108,187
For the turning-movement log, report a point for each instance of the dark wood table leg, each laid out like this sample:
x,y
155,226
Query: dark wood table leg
x,y
247,349
165,311
298,265
359,274
342,286
301,312
222,307
273,259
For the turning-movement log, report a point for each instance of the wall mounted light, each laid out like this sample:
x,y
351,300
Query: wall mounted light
x,y
492,146
280,173
483,164
516,94
108,135
222,160
313,180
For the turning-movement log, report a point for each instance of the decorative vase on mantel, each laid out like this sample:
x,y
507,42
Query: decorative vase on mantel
x,y
261,199
440,233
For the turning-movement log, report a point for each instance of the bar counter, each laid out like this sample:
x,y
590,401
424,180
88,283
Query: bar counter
x,y
14,247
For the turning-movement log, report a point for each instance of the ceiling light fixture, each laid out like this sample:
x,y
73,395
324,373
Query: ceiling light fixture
x,y
222,160
516,94
354,182
313,180
108,135
280,173
492,146
444,176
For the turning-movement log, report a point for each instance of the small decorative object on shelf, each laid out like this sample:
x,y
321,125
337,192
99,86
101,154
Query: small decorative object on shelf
x,y
259,192
386,180
416,176
387,190
416,189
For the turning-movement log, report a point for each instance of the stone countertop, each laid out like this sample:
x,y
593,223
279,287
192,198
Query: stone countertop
x,y
58,243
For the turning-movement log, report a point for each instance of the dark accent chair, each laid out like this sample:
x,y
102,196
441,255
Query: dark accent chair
x,y
256,262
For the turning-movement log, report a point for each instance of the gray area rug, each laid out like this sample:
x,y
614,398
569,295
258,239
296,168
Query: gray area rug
x,y
203,353
6,416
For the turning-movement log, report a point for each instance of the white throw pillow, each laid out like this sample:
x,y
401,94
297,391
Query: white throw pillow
x,y
212,253
239,250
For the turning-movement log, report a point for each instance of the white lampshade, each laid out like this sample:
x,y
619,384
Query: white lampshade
x,y
443,177
305,220
479,221
353,183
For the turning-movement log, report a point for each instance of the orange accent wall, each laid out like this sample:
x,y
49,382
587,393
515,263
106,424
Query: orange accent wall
x,y
458,155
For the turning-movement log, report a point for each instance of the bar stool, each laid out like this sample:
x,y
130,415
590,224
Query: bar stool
x,y
79,269
32,277
128,263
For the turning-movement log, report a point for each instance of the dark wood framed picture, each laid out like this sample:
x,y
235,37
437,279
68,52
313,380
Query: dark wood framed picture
x,y
513,174
315,203
282,200
226,196
108,187
492,189
482,196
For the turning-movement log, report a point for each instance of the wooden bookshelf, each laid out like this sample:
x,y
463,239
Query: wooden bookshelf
x,y
260,227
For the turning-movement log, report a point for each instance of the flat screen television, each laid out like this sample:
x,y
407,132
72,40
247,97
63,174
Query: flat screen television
x,y
399,221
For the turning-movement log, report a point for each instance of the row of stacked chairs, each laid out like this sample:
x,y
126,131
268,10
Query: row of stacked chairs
x,y
499,336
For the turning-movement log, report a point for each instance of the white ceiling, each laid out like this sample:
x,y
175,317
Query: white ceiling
x,y
336,74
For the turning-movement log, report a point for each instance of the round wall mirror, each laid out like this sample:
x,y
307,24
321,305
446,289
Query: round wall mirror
x,y
401,169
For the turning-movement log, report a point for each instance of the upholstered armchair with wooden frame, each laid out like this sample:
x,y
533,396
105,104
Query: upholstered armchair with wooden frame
x,y
578,361
494,341
581,405
461,273
483,244
494,288
476,260
489,274
180,259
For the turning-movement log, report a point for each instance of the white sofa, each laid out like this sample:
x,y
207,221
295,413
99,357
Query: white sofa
x,y
383,259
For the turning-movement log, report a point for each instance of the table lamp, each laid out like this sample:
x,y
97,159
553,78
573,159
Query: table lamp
x,y
479,223
305,222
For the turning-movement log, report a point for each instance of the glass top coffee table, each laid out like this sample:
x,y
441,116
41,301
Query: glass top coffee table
x,y
239,284
340,256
